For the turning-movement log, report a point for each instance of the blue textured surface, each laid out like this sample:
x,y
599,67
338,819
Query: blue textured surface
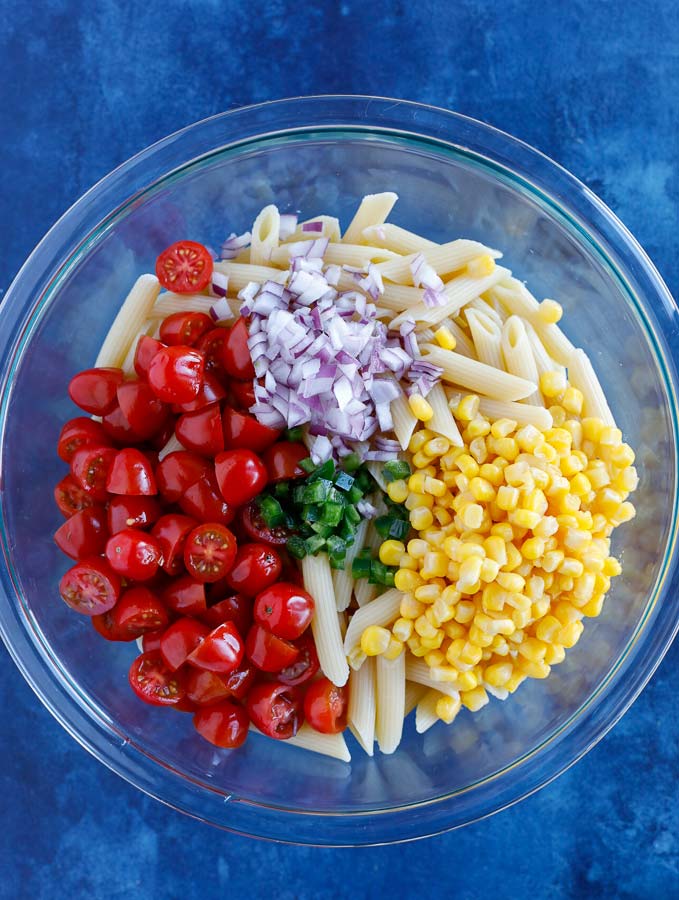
x,y
595,85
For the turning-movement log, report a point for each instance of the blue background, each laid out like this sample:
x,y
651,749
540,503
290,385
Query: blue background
x,y
595,85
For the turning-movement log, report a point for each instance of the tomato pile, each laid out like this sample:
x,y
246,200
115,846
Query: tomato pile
x,y
176,552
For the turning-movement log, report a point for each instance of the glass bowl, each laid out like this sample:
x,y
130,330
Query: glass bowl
x,y
455,177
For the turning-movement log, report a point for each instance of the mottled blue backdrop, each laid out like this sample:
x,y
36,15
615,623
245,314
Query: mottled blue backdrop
x,y
84,86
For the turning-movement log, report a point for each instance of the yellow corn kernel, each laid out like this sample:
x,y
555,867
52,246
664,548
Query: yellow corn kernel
x,y
499,646
471,515
566,613
424,627
553,383
420,408
476,636
535,501
481,266
627,480
569,635
507,497
417,548
468,408
550,312
421,518
391,552
511,582
481,490
529,438
471,654
502,428
442,516
491,473
416,482
432,643
442,673
572,400
524,518
465,611
474,699
454,650
610,436
546,527
434,565
517,679
489,570
533,548
506,447
622,456
493,598
498,674
611,567
406,561
478,450
427,593
447,708
477,428
442,611
421,460
571,567
491,627
397,491
437,446
593,607
402,629
414,500
554,654
624,513
415,646
467,465
467,680
514,558
410,608
434,486
558,414
533,668
547,629
394,650
533,649
375,640
434,658
470,573
496,549
419,439
445,338
539,608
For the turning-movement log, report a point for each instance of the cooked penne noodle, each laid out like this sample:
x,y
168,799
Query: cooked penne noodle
x,y
381,611
487,336
390,682
425,714
518,356
414,693
363,590
325,625
373,210
395,238
543,361
477,376
464,345
522,413
517,299
171,446
403,419
338,255
307,738
135,310
582,376
330,230
362,705
443,422
265,233
241,274
147,328
417,670
169,303
555,341
443,258
478,303
342,579
375,470
396,297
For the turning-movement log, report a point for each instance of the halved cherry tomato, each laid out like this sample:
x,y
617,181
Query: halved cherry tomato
x,y
325,706
90,587
305,666
209,552
176,373
70,497
134,554
236,608
250,518
204,688
94,390
276,709
143,410
132,512
184,328
139,610
285,609
211,345
241,430
90,467
83,534
147,347
211,391
180,640
154,682
131,474
201,431
170,531
186,596
240,475
117,427
240,680
225,724
178,471
243,394
160,438
184,267
80,432
236,353
204,502
150,640
221,651
268,652
255,567
105,626
282,458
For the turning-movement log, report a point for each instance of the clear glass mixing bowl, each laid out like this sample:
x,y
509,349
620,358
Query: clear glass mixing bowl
x,y
455,177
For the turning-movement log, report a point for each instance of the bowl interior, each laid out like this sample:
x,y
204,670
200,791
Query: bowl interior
x,y
444,193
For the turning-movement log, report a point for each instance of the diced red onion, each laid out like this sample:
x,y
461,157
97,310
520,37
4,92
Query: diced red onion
x,y
309,249
313,226
433,298
382,443
219,284
234,244
221,311
424,275
366,509
321,449
379,456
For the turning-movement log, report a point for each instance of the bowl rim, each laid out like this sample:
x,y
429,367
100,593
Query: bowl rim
x,y
54,255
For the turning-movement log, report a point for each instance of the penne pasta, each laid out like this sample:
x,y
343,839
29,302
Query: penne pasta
x,y
362,705
518,356
325,625
363,590
396,297
330,229
443,422
417,670
425,714
241,274
135,310
148,328
381,611
375,470
307,738
395,238
390,683
522,413
265,234
170,447
339,255
169,303
543,361
443,258
487,337
477,376
373,210
464,346
413,694
342,579
517,299
582,376
482,306
403,419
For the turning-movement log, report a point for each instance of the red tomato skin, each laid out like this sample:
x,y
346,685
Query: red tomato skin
x,y
184,328
90,467
119,429
186,596
236,353
211,391
83,534
221,651
285,609
178,471
225,724
276,709
97,573
132,512
147,347
235,608
205,688
204,502
281,460
252,523
154,682
305,666
70,497
105,626
201,431
268,652
240,475
242,394
137,611
243,431
131,474
325,706
170,531
150,640
134,554
94,390
241,680
209,552
176,373
184,267
80,432
211,345
180,640
142,409
255,567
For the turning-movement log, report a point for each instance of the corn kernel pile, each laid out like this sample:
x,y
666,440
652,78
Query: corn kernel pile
x,y
513,545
